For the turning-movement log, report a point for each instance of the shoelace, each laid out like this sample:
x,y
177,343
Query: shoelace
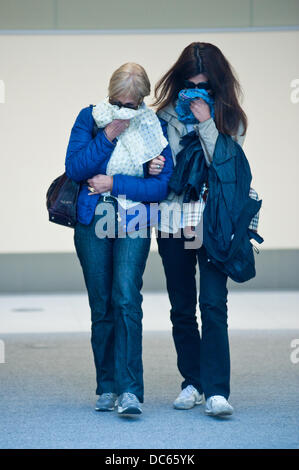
x,y
217,398
108,395
130,397
187,391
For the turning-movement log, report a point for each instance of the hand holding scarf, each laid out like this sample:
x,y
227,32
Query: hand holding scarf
x,y
185,97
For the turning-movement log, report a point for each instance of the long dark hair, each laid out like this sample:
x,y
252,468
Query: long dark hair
x,y
203,57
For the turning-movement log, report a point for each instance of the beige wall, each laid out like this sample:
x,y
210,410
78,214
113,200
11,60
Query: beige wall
x,y
49,78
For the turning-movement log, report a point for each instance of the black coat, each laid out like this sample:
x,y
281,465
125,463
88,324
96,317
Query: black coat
x,y
191,170
229,208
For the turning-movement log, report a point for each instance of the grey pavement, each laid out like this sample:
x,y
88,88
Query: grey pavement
x,y
47,388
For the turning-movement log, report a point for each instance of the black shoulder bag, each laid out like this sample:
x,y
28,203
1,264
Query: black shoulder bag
x,y
62,196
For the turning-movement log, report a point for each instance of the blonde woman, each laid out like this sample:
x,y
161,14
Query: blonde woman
x,y
113,170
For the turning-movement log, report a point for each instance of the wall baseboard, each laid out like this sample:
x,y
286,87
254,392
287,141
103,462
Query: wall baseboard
x,y
61,272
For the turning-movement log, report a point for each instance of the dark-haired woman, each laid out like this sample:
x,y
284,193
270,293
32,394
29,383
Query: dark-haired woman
x,y
203,361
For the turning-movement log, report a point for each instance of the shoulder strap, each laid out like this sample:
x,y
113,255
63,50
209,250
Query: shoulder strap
x,y
95,128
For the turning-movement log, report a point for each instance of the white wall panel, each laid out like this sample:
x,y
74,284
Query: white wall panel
x,y
49,78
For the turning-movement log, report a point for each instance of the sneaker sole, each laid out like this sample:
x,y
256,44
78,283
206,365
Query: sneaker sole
x,y
219,413
130,410
105,409
187,407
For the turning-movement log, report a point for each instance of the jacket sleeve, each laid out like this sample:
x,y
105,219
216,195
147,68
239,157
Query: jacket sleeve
x,y
150,188
86,156
208,133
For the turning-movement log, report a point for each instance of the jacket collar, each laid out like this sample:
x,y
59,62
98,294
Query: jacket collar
x,y
169,115
224,144
225,149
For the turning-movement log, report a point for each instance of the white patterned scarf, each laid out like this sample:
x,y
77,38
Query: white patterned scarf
x,y
142,141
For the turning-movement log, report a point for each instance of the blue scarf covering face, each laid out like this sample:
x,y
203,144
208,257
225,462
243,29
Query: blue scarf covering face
x,y
185,97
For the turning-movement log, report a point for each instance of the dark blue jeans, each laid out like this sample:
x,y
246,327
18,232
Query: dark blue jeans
x,y
113,270
203,360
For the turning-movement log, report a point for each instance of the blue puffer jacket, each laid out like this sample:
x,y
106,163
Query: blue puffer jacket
x,y
87,156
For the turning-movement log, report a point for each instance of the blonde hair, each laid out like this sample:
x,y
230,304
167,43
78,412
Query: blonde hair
x,y
129,79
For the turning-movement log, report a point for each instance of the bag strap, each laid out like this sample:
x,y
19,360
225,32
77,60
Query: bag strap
x,y
95,128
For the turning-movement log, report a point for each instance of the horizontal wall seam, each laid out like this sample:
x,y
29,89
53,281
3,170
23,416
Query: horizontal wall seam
x,y
252,29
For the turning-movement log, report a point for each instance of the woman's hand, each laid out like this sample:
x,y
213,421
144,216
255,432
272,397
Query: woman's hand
x,y
156,165
100,183
116,127
200,109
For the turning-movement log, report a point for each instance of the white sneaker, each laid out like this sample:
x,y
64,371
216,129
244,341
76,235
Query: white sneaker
x,y
217,405
188,398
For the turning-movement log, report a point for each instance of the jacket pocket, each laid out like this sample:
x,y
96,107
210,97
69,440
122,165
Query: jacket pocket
x,y
241,268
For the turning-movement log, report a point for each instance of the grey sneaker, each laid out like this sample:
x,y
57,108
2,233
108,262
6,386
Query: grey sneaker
x,y
128,404
106,402
188,398
217,405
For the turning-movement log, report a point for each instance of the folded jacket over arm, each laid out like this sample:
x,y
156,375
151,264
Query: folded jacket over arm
x,y
229,210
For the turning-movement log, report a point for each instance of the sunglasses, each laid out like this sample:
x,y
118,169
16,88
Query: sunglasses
x,y
200,85
124,105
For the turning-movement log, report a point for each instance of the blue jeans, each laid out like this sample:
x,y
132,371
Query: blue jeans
x,y
203,360
113,270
